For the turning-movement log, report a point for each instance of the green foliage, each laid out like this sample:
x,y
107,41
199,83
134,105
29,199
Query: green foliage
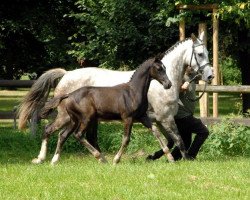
x,y
230,72
227,139
33,36
119,33
236,11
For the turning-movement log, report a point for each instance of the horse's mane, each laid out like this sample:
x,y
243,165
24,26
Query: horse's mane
x,y
166,52
175,45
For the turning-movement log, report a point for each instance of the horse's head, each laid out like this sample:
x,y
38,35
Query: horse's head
x,y
198,58
158,72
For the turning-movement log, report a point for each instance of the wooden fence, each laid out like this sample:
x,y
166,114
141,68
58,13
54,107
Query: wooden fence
x,y
199,88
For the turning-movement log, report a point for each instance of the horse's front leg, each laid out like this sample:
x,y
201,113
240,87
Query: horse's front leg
x,y
128,122
171,129
147,123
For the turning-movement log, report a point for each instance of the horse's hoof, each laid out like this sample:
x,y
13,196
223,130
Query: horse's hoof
x,y
188,157
170,158
103,160
53,163
115,162
150,158
36,161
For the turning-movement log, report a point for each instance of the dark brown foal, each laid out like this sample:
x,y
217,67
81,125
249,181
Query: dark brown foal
x,y
127,102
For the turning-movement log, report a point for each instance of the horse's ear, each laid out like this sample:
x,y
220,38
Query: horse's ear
x,y
202,35
193,37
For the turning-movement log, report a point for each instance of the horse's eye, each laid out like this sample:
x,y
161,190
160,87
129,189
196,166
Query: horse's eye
x,y
200,54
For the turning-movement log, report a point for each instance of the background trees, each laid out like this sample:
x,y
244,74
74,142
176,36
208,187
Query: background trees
x,y
34,36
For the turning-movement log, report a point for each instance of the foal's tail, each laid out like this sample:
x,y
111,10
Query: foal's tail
x,y
51,105
38,95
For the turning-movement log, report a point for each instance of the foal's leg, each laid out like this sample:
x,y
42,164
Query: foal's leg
x,y
49,130
147,123
79,136
125,139
91,134
62,137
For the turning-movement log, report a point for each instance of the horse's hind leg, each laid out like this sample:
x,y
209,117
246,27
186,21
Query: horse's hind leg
x,y
49,130
171,129
148,124
63,136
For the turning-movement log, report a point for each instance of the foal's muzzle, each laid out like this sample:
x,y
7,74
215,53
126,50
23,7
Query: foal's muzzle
x,y
167,84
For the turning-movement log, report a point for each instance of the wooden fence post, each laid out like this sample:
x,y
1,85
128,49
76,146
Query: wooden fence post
x,y
215,60
204,101
182,29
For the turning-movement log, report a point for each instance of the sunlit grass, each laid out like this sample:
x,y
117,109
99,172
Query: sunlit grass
x,y
82,177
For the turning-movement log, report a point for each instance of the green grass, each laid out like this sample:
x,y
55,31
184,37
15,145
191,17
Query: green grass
x,y
79,176
10,98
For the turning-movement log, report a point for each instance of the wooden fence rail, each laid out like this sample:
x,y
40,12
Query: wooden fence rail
x,y
199,88
16,83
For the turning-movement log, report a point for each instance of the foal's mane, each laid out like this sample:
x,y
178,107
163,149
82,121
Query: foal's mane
x,y
143,65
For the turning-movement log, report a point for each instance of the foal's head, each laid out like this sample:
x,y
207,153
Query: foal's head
x,y
158,72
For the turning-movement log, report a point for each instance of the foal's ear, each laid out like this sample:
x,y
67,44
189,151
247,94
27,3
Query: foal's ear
x,y
157,60
193,37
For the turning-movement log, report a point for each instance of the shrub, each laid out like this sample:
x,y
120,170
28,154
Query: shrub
x,y
230,72
227,138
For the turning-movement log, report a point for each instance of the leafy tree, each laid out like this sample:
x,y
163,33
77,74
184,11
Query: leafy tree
x,y
34,36
115,33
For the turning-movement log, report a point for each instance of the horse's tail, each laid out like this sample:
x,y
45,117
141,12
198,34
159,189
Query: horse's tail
x,y
38,95
52,104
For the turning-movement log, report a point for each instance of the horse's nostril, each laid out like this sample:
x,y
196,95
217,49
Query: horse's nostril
x,y
210,77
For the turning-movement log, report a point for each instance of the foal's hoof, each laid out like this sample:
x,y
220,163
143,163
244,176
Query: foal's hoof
x,y
36,161
116,160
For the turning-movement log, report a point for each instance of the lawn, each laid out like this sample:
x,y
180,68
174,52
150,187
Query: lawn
x,y
79,176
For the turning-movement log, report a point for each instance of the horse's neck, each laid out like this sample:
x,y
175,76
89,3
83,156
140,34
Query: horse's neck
x,y
175,65
140,82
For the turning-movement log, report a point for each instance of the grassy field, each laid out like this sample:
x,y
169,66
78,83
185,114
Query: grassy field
x,y
79,176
